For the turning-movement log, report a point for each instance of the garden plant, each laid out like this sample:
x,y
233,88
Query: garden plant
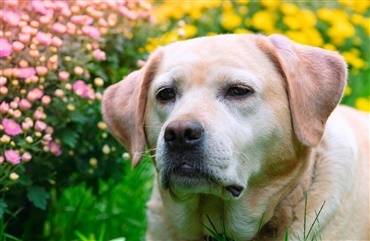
x,y
62,175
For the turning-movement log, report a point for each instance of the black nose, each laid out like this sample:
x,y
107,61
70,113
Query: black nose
x,y
183,134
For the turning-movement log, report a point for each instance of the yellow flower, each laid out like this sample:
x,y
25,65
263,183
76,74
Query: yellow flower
x,y
263,20
230,21
289,8
271,4
347,90
190,30
324,14
362,104
329,46
340,31
357,19
297,36
314,37
93,162
307,18
292,22
102,125
361,6
241,31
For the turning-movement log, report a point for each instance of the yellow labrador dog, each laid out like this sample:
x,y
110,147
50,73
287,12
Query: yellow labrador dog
x,y
245,131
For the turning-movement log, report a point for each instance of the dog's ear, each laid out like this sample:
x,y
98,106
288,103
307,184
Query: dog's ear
x,y
315,81
123,108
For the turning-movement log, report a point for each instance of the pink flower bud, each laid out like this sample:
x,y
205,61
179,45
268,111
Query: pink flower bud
x,y
13,105
45,100
17,114
78,70
91,31
59,28
3,90
4,107
57,42
35,94
1,159
80,88
25,126
54,148
78,19
5,48
43,38
2,80
47,137
41,70
24,37
26,72
24,104
58,93
26,157
99,55
63,76
40,125
38,114
17,46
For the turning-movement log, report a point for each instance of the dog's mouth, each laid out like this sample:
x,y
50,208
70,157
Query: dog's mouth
x,y
188,177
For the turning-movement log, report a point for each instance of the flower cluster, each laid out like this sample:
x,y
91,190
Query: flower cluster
x,y
342,26
49,50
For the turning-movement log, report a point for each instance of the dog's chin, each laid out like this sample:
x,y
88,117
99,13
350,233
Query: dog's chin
x,y
185,182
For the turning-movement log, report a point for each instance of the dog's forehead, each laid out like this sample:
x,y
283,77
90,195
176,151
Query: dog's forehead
x,y
210,58
210,49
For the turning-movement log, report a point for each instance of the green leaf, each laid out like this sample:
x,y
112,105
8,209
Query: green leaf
x,y
3,206
38,196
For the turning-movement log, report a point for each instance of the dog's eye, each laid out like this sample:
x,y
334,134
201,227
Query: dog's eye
x,y
238,91
166,94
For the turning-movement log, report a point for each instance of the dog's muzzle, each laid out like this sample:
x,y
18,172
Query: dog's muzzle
x,y
186,165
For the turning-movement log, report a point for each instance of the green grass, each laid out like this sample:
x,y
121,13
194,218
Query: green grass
x,y
118,213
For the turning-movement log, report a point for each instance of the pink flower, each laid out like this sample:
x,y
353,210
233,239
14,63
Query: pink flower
x,y
43,38
26,126
127,13
24,37
57,42
11,18
99,55
4,107
80,88
26,72
78,19
2,80
38,114
40,125
38,6
41,70
11,127
5,48
35,94
91,31
63,76
1,159
45,100
59,28
12,157
26,157
54,148
17,46
24,104
60,5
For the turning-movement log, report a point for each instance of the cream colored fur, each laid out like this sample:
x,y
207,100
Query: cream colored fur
x,y
285,140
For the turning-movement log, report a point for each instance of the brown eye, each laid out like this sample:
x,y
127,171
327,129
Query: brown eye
x,y
237,91
166,94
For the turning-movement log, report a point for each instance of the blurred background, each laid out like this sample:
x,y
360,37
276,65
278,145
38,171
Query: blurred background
x,y
62,175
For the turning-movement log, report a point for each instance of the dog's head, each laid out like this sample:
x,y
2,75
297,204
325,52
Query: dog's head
x,y
223,112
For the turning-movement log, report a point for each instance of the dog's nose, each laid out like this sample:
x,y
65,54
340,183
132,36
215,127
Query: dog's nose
x,y
183,134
